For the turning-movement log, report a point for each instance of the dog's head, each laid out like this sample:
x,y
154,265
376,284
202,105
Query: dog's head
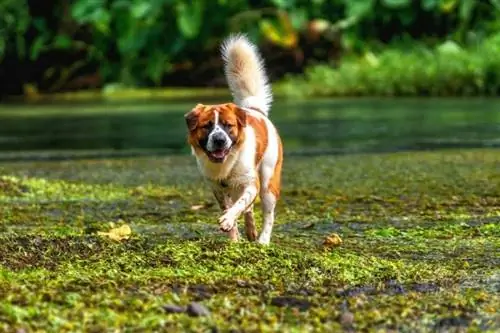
x,y
215,129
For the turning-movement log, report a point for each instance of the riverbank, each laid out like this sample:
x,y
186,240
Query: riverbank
x,y
445,71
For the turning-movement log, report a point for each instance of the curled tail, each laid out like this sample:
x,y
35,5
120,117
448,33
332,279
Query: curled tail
x,y
245,74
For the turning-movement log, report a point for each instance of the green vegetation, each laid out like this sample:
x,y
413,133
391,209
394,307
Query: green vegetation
x,y
447,70
72,45
420,238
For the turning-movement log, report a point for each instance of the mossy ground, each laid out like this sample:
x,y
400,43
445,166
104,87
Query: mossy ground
x,y
420,250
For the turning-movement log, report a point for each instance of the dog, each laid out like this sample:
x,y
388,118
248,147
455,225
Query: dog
x,y
237,148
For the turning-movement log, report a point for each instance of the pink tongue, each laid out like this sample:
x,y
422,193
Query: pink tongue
x,y
218,153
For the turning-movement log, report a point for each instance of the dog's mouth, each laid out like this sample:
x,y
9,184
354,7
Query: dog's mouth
x,y
218,155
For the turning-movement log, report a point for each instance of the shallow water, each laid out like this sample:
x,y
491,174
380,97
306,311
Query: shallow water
x,y
307,127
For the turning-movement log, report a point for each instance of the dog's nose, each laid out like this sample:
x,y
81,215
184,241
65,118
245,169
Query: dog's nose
x,y
219,140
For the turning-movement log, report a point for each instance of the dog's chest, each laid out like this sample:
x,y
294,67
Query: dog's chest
x,y
233,172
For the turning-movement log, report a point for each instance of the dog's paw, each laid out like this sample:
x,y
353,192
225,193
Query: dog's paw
x,y
227,221
264,239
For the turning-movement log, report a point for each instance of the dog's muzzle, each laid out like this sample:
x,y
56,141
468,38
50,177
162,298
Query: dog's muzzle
x,y
218,145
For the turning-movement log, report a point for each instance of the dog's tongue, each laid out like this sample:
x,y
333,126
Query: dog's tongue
x,y
219,153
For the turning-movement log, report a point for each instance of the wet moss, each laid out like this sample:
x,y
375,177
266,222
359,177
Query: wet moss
x,y
420,233
41,190
12,187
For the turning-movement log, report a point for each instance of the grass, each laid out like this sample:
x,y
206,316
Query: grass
x,y
447,70
420,243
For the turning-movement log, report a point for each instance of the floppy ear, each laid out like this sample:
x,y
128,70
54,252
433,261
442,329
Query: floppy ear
x,y
241,115
192,117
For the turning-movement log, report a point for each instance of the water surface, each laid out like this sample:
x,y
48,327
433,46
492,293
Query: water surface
x,y
307,127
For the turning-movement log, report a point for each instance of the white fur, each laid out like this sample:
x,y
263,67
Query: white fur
x,y
268,200
245,73
217,129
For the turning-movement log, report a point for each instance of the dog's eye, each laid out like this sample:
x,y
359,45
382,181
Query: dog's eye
x,y
225,124
207,126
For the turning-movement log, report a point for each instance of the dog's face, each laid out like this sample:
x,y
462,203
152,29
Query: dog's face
x,y
215,129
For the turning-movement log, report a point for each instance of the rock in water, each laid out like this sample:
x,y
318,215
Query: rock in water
x,y
197,310
172,308
292,302
347,318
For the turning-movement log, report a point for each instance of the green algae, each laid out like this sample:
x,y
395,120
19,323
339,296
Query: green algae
x,y
41,190
420,247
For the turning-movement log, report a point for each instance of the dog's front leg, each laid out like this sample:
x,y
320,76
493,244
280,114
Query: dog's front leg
x,y
247,197
223,198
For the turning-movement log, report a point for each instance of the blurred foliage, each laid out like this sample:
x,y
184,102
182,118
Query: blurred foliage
x,y
142,42
447,70
14,22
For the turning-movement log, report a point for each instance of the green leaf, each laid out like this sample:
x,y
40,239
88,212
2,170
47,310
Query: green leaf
x,y
358,8
189,18
22,24
40,24
449,47
37,47
123,23
157,65
448,5
429,4
282,4
176,46
406,17
133,42
101,19
83,10
62,42
141,9
298,17
496,4
466,8
130,44
120,4
396,3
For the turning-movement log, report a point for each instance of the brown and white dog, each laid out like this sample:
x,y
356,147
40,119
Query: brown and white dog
x,y
237,148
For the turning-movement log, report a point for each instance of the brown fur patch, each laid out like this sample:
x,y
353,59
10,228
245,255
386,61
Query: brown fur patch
x,y
261,136
202,116
275,182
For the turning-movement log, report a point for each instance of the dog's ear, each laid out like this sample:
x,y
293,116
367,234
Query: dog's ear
x,y
241,116
191,117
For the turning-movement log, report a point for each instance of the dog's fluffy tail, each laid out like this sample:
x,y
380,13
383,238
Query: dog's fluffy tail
x,y
245,73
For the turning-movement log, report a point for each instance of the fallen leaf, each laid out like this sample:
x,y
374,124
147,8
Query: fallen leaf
x,y
197,207
332,240
117,234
